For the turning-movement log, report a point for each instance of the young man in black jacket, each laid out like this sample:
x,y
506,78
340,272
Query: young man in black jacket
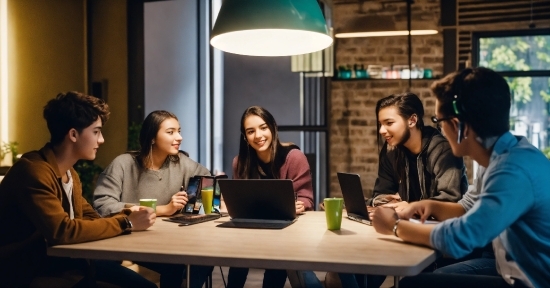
x,y
416,161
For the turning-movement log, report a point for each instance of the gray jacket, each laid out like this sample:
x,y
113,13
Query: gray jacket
x,y
442,176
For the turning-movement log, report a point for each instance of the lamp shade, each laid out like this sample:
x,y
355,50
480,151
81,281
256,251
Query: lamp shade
x,y
270,27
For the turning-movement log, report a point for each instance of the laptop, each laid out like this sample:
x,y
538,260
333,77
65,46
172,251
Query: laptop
x,y
192,212
353,197
258,203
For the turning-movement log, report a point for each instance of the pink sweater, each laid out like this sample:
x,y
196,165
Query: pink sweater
x,y
295,168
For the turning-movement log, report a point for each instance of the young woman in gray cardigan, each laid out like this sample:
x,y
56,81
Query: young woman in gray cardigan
x,y
158,170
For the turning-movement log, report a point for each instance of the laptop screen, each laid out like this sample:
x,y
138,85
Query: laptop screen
x,y
269,199
353,194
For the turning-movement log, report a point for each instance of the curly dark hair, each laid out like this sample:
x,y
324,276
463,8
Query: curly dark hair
x,y
73,110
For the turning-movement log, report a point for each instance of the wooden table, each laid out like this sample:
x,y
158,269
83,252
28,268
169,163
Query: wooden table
x,y
304,245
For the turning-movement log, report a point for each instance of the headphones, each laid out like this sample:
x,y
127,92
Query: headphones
x,y
458,106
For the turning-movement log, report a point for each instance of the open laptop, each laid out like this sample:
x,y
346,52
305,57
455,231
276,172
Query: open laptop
x,y
258,203
190,213
353,197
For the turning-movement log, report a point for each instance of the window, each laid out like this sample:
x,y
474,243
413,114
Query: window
x,y
523,58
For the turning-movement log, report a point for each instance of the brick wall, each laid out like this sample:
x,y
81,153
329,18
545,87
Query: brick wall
x,y
353,130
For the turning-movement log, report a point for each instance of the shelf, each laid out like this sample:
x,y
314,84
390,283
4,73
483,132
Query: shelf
x,y
380,79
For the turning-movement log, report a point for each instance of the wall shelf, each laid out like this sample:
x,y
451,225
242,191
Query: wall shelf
x,y
379,79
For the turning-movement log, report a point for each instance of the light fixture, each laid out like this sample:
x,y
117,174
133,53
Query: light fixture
x,y
385,33
270,27
378,26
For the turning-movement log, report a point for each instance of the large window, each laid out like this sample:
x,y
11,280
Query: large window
x,y
523,58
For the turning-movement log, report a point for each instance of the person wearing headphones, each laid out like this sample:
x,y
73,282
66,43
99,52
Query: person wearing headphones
x,y
473,108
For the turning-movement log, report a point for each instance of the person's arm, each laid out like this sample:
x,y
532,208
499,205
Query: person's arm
x,y
385,221
179,198
450,174
39,200
300,174
108,191
424,209
499,206
386,185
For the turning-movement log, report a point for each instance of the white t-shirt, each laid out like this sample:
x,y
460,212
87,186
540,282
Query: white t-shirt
x,y
68,188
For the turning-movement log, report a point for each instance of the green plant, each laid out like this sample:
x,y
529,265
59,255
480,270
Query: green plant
x,y
546,152
9,147
88,173
133,136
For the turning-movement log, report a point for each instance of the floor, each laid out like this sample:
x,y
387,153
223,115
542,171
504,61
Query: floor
x,y
255,277
254,280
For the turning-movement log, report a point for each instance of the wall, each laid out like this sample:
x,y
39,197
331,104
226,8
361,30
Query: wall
x,y
46,56
171,65
263,81
110,64
353,129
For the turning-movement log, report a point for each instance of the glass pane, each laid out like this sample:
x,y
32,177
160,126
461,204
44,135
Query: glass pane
x,y
519,53
530,111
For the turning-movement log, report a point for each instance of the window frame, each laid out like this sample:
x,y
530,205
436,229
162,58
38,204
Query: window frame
x,y
502,34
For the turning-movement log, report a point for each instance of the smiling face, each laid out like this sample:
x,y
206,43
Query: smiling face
x,y
88,140
168,139
258,135
393,127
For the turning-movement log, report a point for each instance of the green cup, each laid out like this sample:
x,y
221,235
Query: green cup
x,y
207,197
149,203
333,212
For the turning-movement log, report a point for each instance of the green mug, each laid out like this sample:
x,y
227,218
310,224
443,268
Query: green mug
x,y
149,203
333,212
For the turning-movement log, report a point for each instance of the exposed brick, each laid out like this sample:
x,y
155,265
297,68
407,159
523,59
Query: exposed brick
x,y
423,50
353,132
358,122
434,42
386,83
394,51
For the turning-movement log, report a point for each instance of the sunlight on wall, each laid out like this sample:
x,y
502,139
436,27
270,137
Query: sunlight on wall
x,y
4,137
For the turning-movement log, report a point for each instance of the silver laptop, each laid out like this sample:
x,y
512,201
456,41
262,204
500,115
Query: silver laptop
x,y
353,197
258,203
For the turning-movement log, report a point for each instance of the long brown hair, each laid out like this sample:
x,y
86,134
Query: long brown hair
x,y
248,161
148,132
407,104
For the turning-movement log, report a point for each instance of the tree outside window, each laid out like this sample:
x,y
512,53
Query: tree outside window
x,y
524,61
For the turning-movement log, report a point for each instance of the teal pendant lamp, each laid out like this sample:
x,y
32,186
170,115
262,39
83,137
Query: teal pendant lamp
x,y
270,27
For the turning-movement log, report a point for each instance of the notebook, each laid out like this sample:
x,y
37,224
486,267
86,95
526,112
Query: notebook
x,y
258,203
190,213
353,197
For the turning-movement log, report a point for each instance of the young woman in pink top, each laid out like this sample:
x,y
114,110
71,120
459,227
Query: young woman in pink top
x,y
263,156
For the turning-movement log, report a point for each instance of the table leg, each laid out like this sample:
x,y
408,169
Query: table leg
x,y
396,281
188,278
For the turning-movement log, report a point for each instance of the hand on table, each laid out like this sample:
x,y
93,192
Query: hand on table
x,y
143,218
422,209
300,208
383,220
135,208
177,203
398,206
